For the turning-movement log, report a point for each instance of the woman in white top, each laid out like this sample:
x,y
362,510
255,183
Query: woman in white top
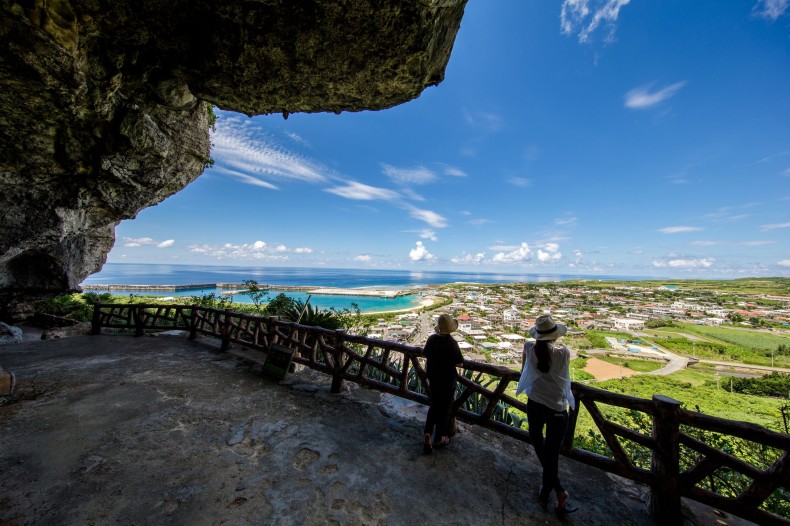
x,y
545,379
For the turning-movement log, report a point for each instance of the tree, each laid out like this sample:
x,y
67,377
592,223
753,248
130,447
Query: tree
x,y
256,294
279,305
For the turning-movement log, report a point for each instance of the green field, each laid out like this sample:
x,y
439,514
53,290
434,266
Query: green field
x,y
722,343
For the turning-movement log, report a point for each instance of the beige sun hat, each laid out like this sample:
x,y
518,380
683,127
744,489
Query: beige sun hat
x,y
547,329
445,324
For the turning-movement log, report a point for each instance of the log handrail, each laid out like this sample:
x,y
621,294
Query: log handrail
x,y
397,369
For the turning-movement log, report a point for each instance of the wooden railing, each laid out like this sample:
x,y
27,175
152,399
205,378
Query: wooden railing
x,y
674,452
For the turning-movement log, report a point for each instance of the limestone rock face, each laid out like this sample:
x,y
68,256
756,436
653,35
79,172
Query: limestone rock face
x,y
105,105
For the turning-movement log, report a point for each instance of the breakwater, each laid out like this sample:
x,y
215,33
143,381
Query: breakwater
x,y
163,288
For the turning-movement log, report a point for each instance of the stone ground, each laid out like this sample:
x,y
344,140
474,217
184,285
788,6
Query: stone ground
x,y
113,429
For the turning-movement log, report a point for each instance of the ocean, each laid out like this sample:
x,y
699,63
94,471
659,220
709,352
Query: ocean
x,y
156,274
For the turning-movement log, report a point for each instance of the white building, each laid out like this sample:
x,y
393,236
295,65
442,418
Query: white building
x,y
628,324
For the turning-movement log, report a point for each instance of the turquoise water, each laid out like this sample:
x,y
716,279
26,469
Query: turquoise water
x,y
365,303
160,274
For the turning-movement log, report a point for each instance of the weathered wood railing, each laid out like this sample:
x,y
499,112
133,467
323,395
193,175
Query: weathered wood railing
x,y
671,454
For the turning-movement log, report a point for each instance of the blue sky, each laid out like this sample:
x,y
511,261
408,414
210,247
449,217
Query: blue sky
x,y
597,137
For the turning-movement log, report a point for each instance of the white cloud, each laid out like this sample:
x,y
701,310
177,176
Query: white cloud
x,y
257,250
355,190
784,263
770,9
679,229
642,97
281,248
480,221
420,253
685,263
133,242
551,253
239,146
586,16
775,226
362,258
432,218
303,250
520,253
469,259
418,175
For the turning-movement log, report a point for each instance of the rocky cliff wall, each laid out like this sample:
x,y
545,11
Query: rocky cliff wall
x,y
105,105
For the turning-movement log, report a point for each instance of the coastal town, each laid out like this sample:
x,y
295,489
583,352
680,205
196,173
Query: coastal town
x,y
494,320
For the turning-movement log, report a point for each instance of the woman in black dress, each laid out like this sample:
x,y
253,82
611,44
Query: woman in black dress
x,y
442,356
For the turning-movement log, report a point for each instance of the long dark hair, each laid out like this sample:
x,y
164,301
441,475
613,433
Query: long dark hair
x,y
542,352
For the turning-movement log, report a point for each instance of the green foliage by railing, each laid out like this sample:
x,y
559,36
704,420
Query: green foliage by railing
x,y
775,384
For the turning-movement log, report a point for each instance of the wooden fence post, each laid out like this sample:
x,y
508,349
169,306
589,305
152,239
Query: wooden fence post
x,y
139,319
665,493
193,317
271,330
337,367
226,325
96,319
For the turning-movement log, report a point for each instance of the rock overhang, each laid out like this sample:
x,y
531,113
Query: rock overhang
x,y
106,106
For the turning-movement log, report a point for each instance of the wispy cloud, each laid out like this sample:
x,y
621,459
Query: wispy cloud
x,y
643,97
756,243
417,175
784,263
479,222
567,221
679,229
432,218
362,258
519,181
363,192
487,121
705,243
774,226
428,234
454,172
770,9
247,179
586,16
238,145
420,253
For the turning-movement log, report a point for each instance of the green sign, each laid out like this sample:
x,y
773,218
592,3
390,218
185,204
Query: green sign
x,y
278,360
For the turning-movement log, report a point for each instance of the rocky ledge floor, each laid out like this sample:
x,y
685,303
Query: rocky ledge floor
x,y
113,429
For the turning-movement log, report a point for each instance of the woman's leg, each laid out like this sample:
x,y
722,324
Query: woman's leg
x,y
556,427
536,416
